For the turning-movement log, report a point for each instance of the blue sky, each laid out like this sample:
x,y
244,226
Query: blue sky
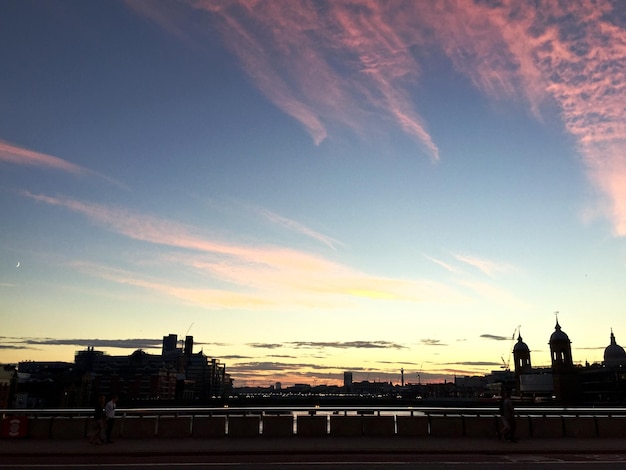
x,y
312,187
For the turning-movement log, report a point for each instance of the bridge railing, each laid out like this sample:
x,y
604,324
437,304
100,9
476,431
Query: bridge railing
x,y
233,422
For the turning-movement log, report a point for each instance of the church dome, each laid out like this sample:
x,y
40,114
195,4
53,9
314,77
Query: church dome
x,y
520,346
559,336
614,354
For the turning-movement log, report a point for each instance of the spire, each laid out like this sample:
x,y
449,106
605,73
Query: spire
x,y
612,337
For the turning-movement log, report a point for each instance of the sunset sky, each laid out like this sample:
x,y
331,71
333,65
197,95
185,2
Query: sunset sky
x,y
311,187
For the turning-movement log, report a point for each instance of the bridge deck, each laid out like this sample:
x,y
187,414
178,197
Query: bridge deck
x,y
296,445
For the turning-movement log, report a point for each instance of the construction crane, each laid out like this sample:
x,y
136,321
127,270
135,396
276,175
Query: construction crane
x,y
506,364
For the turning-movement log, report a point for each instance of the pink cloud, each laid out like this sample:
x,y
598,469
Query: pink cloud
x,y
571,53
20,156
256,276
343,64
16,155
352,63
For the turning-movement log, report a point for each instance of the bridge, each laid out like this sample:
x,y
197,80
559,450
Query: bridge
x,y
317,422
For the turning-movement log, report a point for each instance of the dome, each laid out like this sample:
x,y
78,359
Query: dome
x,y
614,354
520,346
559,335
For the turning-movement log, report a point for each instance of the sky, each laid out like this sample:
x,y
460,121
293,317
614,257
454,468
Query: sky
x,y
313,187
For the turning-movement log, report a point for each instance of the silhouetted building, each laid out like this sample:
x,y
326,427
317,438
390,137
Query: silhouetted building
x,y
47,384
175,375
169,344
567,382
366,387
188,348
471,386
347,382
614,354
606,382
564,374
521,358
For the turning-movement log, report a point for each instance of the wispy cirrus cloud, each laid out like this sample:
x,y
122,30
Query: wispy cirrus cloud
x,y
17,155
443,264
253,276
495,293
486,290
299,228
340,63
329,63
488,267
567,53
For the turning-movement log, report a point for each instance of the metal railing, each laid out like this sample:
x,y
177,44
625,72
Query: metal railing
x,y
324,410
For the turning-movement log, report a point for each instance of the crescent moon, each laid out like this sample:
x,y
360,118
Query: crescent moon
x,y
17,265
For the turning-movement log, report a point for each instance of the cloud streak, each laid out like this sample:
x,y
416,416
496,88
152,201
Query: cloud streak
x,y
257,277
337,63
347,344
299,228
128,343
448,267
16,155
329,63
487,267
567,53
495,337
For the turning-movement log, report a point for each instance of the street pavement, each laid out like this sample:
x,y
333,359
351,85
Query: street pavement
x,y
307,445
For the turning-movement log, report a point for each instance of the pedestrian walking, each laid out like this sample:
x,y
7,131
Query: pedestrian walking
x,y
97,435
109,411
507,417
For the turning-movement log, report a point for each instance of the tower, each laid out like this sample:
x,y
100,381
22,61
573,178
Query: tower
x,y
564,374
521,358
560,350
188,348
347,382
169,343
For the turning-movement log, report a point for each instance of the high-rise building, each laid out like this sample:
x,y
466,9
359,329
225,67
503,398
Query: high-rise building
x,y
347,382
169,344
